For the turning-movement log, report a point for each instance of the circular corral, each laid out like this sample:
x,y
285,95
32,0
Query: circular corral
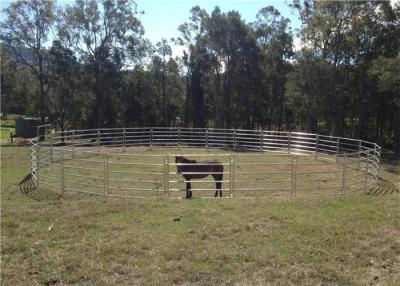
x,y
140,162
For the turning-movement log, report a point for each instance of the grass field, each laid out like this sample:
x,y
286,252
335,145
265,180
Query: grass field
x,y
91,240
6,126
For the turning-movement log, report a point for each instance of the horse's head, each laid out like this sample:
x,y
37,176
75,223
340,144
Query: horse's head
x,y
178,161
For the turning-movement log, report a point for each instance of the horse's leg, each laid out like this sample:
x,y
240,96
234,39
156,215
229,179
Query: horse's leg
x,y
188,191
220,177
218,185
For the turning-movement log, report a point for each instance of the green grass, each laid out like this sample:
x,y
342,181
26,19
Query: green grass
x,y
6,126
350,240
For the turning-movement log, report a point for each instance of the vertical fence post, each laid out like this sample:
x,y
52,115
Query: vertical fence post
x,y
124,139
262,141
38,133
105,173
33,157
38,165
316,146
73,142
234,138
337,147
294,171
289,139
207,137
377,163
344,175
366,173
98,139
62,170
231,174
359,155
378,158
51,146
151,136
166,175
179,136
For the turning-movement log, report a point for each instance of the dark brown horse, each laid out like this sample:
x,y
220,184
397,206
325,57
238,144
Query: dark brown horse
x,y
191,169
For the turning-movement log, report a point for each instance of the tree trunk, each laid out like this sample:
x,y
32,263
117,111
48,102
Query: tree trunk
x,y
42,114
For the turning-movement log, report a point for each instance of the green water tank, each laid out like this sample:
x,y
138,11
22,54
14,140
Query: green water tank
x,y
26,126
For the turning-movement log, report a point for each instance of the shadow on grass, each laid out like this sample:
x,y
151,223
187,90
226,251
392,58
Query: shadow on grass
x,y
43,195
391,162
29,188
384,187
16,144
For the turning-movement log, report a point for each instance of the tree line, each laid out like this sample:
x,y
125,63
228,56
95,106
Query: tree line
x,y
100,71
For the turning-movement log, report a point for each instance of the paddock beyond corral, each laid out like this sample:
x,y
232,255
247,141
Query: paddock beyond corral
x,y
140,162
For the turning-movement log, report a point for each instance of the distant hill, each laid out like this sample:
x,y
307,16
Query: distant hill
x,y
27,54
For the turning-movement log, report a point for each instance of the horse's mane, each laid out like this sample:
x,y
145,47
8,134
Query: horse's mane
x,y
185,160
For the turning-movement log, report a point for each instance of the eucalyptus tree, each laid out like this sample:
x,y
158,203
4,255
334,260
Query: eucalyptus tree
x,y
8,76
387,72
275,40
24,32
243,75
306,84
377,38
65,104
105,34
193,37
16,86
223,67
164,51
327,27
358,41
176,93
